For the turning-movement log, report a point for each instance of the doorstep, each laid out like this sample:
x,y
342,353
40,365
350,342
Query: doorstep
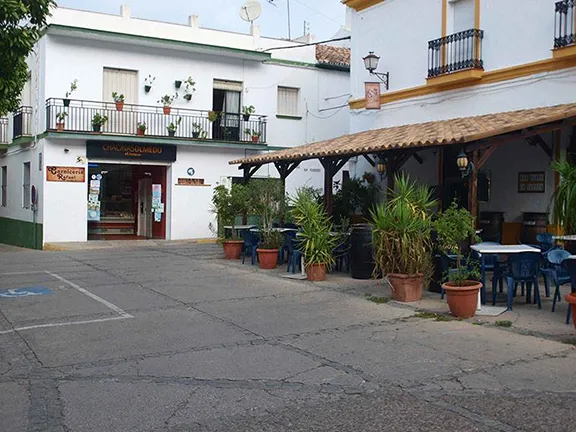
x,y
118,244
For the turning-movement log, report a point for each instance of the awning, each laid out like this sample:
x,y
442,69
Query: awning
x,y
432,134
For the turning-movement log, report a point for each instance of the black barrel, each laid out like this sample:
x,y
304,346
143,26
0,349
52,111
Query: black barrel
x,y
361,259
532,225
491,225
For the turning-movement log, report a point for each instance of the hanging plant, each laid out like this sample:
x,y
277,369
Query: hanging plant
x,y
148,83
189,89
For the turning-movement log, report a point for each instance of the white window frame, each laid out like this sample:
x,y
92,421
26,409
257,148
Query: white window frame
x,y
284,111
26,183
4,186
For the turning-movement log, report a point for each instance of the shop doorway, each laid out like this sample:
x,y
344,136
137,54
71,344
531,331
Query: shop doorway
x,y
126,202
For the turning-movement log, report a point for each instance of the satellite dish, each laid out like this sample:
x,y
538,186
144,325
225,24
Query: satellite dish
x,y
250,11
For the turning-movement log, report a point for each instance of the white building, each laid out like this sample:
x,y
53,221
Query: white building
x,y
115,182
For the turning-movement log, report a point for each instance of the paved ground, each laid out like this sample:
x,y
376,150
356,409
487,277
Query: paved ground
x,y
171,338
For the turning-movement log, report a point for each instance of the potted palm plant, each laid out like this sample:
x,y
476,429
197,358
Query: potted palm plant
x,y
563,203
172,127
141,128
60,117
316,239
118,100
454,226
401,239
97,121
227,204
166,102
247,111
73,88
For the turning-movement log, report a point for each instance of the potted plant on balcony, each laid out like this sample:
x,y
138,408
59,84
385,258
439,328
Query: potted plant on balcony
x,y
166,102
177,84
97,121
118,100
60,117
148,83
172,127
255,135
266,200
189,89
316,240
197,130
401,239
227,204
213,116
73,88
454,226
247,111
141,128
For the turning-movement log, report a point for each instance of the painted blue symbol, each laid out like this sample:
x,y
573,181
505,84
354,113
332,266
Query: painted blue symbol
x,y
24,292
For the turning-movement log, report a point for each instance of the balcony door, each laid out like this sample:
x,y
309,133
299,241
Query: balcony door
x,y
226,100
463,15
124,82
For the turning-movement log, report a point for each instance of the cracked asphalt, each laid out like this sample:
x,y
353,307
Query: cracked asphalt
x,y
173,338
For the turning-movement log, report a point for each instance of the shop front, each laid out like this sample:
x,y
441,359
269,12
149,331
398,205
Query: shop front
x,y
127,190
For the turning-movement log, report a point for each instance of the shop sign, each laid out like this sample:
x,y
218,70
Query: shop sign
x,y
190,182
123,150
65,174
532,182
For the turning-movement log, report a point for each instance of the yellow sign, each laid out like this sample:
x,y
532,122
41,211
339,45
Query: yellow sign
x,y
65,174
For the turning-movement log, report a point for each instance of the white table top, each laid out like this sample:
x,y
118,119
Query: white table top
x,y
282,230
565,237
240,227
503,249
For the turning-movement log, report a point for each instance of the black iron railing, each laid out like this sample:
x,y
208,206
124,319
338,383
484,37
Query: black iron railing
x,y
125,120
22,122
455,52
564,24
3,130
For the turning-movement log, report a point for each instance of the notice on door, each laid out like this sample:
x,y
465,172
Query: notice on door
x,y
65,174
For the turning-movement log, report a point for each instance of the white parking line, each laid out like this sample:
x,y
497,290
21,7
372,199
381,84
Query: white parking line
x,y
106,303
127,316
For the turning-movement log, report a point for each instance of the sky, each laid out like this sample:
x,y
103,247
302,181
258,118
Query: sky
x,y
325,17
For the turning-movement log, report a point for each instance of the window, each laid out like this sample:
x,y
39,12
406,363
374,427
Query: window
x,y
26,186
4,179
288,99
464,15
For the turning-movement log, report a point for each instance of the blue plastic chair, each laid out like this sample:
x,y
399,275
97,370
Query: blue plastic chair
x,y
556,272
546,242
294,255
250,246
570,266
522,268
489,262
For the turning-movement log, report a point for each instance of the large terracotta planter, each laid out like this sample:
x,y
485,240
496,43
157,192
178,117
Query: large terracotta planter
x,y
232,249
571,298
316,272
462,300
406,288
268,258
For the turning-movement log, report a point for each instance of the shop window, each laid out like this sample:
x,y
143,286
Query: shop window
x,y
288,101
4,186
26,185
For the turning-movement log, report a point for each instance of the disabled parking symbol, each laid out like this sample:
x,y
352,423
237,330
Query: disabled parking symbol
x,y
24,292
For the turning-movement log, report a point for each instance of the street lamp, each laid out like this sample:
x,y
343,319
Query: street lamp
x,y
382,168
371,64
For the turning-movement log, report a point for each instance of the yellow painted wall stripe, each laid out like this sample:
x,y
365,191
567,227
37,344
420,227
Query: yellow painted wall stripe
x,y
359,5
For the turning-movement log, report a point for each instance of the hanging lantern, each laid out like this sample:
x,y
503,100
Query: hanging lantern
x,y
382,168
462,161
371,62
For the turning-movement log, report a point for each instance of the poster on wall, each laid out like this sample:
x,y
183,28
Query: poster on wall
x,y
157,204
65,174
372,95
94,200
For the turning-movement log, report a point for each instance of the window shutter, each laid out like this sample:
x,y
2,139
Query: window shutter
x,y
288,101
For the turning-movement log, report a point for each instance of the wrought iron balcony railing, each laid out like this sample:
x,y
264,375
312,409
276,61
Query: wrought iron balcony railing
x,y
455,52
22,122
79,116
565,24
3,130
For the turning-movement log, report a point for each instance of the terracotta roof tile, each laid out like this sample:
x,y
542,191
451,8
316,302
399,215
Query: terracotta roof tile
x,y
452,131
332,55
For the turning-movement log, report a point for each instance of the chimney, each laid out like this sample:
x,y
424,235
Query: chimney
x,y
125,11
194,21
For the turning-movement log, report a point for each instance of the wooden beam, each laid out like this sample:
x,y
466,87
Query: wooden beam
x,y
418,158
369,159
536,140
486,155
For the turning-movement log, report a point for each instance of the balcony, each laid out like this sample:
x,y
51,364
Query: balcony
x,y
456,57
565,29
3,130
22,122
125,121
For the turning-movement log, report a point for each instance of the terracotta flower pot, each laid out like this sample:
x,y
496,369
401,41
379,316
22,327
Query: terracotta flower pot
x,y
59,127
141,131
233,249
571,298
255,138
316,272
167,110
406,288
462,300
119,106
268,258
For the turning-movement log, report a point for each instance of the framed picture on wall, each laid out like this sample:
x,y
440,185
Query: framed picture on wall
x,y
532,182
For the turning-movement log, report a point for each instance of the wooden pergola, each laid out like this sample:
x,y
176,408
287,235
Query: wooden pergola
x,y
478,137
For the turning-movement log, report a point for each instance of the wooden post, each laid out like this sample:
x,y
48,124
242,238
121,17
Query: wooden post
x,y
391,171
328,187
440,191
473,188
